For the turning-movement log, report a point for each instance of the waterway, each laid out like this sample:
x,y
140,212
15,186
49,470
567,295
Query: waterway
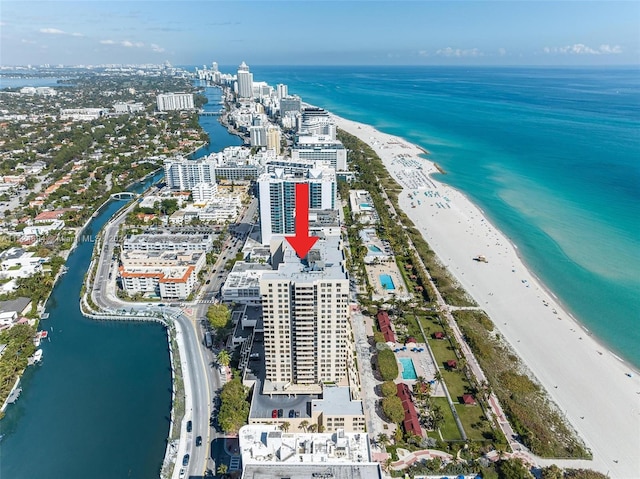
x,y
99,403
219,137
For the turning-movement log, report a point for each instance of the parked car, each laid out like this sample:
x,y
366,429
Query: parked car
x,y
199,441
280,412
292,413
185,460
189,426
274,413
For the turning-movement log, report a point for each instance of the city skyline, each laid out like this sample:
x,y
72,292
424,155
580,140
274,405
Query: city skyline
x,y
321,33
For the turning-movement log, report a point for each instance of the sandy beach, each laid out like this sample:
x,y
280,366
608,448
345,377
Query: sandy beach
x,y
598,393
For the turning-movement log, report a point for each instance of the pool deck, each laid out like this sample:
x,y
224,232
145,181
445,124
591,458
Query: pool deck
x,y
423,365
387,267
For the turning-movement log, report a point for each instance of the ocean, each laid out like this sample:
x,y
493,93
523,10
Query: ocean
x,y
551,155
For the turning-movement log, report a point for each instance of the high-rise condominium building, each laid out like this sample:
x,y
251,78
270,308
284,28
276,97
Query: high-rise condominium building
x,y
283,91
183,174
277,193
306,318
245,81
273,139
321,148
175,101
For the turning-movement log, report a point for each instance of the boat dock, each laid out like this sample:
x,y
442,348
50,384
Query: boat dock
x,y
13,397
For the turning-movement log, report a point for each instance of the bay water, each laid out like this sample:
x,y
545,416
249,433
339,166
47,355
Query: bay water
x,y
99,403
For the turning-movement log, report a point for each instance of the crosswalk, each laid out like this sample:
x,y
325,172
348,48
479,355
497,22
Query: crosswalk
x,y
234,464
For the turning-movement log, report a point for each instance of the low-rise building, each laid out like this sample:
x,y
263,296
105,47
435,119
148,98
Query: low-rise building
x,y
167,275
196,239
243,283
267,452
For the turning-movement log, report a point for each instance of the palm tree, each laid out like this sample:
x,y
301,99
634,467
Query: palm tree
x,y
304,425
313,428
224,358
383,440
222,469
285,426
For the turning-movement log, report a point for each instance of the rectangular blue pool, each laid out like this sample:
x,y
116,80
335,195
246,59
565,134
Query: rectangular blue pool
x,y
387,282
408,369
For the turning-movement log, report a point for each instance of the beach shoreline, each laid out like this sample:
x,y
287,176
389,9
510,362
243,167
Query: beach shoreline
x,y
595,389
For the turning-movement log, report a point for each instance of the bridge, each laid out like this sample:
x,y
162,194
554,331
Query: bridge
x,y
210,113
124,195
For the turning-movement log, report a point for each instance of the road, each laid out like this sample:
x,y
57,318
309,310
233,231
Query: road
x,y
195,370
201,381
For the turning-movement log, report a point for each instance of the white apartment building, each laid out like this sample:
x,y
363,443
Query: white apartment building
x,y
317,121
245,81
167,275
170,240
306,318
322,148
183,174
277,199
258,135
204,192
82,114
175,101
121,108
283,90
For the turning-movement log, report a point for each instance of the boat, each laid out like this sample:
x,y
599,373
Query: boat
x,y
63,269
37,357
481,259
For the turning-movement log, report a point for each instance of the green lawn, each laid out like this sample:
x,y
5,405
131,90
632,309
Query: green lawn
x,y
441,351
473,415
449,430
456,383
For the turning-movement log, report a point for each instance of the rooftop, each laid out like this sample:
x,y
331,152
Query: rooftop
x,y
337,401
332,455
324,262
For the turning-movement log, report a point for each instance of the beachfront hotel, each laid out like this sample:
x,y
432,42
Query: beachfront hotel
x,y
277,199
306,318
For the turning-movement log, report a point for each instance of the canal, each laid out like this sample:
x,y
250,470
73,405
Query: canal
x,y
99,403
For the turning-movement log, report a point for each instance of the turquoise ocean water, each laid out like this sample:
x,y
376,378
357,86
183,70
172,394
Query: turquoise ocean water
x,y
552,156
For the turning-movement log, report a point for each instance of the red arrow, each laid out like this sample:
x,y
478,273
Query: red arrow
x,y
302,242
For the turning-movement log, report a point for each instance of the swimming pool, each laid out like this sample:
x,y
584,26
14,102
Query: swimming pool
x,y
387,282
408,369
374,249
365,205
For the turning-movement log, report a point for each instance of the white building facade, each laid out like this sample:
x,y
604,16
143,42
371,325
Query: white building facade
x,y
277,199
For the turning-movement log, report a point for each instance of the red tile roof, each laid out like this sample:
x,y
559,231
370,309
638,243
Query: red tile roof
x,y
411,421
385,326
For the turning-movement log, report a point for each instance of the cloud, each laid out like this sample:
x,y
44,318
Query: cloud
x,y
57,31
423,53
457,52
52,31
582,49
127,44
2,24
30,42
502,51
157,48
